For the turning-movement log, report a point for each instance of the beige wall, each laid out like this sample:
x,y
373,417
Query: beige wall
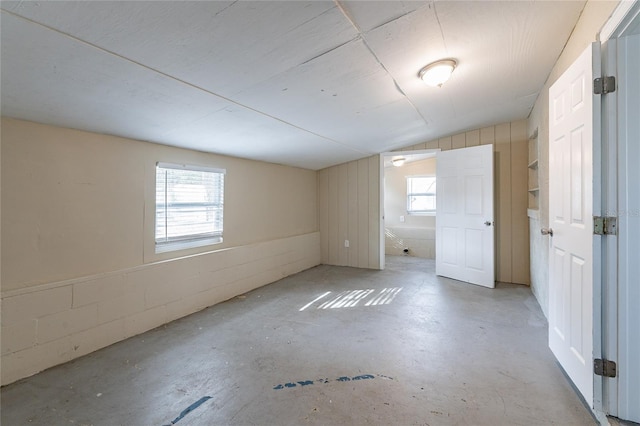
x,y
593,17
417,232
349,202
79,270
76,202
511,196
349,209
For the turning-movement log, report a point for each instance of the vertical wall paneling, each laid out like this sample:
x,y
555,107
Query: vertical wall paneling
x,y
444,143
458,141
432,145
375,219
363,213
351,192
352,229
343,213
502,177
512,230
323,213
357,184
487,135
472,138
519,201
334,215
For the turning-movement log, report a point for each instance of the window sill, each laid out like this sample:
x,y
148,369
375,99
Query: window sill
x,y
183,245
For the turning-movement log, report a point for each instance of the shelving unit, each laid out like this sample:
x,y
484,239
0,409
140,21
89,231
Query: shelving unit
x,y
534,182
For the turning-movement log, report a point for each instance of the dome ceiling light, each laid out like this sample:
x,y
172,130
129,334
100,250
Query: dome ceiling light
x,y
397,162
436,73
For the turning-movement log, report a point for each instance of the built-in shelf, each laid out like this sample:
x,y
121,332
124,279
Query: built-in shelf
x,y
534,183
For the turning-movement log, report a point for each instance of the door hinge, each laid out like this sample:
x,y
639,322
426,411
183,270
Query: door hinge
x,y
605,225
604,85
604,367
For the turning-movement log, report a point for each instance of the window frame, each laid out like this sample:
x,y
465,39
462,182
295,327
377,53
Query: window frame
x,y
195,240
410,211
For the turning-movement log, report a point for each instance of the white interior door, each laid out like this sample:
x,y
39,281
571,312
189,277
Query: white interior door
x,y
571,222
464,215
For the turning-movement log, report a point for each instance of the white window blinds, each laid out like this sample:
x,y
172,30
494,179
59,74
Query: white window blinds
x,y
189,206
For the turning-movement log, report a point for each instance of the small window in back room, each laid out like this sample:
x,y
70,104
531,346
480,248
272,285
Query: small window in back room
x,y
189,206
421,194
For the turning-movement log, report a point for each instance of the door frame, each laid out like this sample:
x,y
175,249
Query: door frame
x,y
607,282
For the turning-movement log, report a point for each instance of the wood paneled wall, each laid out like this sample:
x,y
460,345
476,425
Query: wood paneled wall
x,y
349,209
348,199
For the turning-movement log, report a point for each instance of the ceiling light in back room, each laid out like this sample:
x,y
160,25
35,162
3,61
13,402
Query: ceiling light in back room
x,y
436,73
398,161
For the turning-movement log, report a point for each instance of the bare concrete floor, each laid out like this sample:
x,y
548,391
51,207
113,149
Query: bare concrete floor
x,y
435,352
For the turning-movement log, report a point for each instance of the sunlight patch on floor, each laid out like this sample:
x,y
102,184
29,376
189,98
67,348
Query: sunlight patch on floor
x,y
351,298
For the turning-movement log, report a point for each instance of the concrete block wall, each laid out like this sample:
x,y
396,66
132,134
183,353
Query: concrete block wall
x,y
52,323
79,267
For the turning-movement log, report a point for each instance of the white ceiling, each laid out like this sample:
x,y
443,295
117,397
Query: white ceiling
x,y
304,83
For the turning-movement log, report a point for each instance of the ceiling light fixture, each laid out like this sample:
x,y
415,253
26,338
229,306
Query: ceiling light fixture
x,y
436,73
397,162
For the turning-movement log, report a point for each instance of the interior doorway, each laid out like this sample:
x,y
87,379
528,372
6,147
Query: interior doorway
x,y
409,202
457,231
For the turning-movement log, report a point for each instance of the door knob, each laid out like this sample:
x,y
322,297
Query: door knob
x,y
546,231
488,223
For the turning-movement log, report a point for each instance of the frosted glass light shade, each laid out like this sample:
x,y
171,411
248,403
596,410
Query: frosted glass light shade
x,y
437,73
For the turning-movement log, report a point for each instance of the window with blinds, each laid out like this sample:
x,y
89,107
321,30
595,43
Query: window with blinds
x,y
421,195
189,206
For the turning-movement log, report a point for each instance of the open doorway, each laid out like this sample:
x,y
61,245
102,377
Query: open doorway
x,y
409,203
